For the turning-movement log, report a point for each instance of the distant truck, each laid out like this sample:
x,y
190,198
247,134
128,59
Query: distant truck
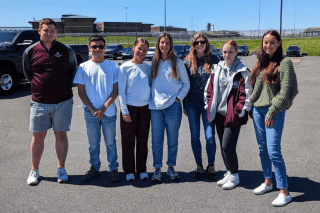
x,y
12,46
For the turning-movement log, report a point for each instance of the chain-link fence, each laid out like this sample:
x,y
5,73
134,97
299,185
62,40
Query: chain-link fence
x,y
130,37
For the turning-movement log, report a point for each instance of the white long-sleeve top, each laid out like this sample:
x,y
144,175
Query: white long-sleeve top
x,y
165,89
133,85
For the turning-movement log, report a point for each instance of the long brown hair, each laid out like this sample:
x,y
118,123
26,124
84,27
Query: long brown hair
x,y
171,56
192,56
269,65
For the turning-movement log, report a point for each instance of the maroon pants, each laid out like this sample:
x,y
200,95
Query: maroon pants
x,y
130,131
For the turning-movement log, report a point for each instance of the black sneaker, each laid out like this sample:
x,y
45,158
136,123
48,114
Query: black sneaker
x,y
114,176
199,171
90,175
212,174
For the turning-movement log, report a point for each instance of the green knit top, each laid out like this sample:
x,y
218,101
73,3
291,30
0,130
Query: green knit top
x,y
278,96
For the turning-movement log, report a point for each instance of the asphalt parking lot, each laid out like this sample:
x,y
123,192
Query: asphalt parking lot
x,y
300,148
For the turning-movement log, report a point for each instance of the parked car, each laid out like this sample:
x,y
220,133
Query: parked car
x,y
150,53
293,50
218,53
243,50
181,50
12,46
121,52
127,54
212,48
112,51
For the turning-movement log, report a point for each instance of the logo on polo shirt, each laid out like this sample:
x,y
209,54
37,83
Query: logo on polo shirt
x,y
57,55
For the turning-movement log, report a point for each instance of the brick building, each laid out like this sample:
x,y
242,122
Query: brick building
x,y
123,27
71,23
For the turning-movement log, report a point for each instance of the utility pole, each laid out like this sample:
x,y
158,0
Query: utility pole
x,y
294,23
281,18
126,14
191,23
165,21
259,20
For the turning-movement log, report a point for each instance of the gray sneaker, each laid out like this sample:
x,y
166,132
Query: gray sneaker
x,y
157,175
114,176
172,173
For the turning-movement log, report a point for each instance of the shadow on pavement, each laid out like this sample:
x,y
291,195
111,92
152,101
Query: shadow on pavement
x,y
20,90
249,180
104,180
310,189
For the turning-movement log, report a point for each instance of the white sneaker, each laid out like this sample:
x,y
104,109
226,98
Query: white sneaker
x,y
130,177
62,175
225,179
232,182
144,176
263,188
282,200
33,177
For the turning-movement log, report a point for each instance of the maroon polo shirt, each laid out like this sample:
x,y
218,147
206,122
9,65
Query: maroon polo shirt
x,y
50,72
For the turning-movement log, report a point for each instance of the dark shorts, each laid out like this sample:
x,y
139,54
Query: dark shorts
x,y
47,116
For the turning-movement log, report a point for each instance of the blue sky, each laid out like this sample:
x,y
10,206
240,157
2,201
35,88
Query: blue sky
x,y
225,15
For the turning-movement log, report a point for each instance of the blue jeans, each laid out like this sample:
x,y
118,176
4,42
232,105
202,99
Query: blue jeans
x,y
269,141
108,125
168,119
194,112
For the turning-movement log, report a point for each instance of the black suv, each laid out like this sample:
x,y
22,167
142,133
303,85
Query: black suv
x,y
181,50
293,50
112,51
243,50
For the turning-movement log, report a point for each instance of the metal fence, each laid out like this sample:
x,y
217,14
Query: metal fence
x,y
130,37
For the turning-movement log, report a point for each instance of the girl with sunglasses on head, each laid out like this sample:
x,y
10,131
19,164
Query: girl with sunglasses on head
x,y
275,86
227,93
134,95
170,84
199,64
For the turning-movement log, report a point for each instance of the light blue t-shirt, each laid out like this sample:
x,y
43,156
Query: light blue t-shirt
x,y
134,86
98,79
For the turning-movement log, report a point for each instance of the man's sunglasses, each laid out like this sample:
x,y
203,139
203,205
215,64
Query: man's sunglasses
x,y
199,42
97,47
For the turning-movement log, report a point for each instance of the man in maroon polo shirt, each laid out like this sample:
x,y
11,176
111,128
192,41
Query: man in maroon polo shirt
x,y
50,67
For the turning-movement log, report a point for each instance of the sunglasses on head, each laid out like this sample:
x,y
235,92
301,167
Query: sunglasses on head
x,y
199,42
97,47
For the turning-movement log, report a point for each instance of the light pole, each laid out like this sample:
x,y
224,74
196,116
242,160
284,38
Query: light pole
x,y
281,17
165,21
126,14
294,22
191,23
259,20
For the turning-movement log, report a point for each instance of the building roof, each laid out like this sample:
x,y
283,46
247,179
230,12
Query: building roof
x,y
77,16
54,19
312,30
66,16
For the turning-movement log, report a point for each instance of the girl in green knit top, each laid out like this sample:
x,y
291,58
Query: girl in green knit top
x,y
275,86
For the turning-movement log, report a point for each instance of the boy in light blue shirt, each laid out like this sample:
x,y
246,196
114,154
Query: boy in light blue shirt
x,y
97,81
